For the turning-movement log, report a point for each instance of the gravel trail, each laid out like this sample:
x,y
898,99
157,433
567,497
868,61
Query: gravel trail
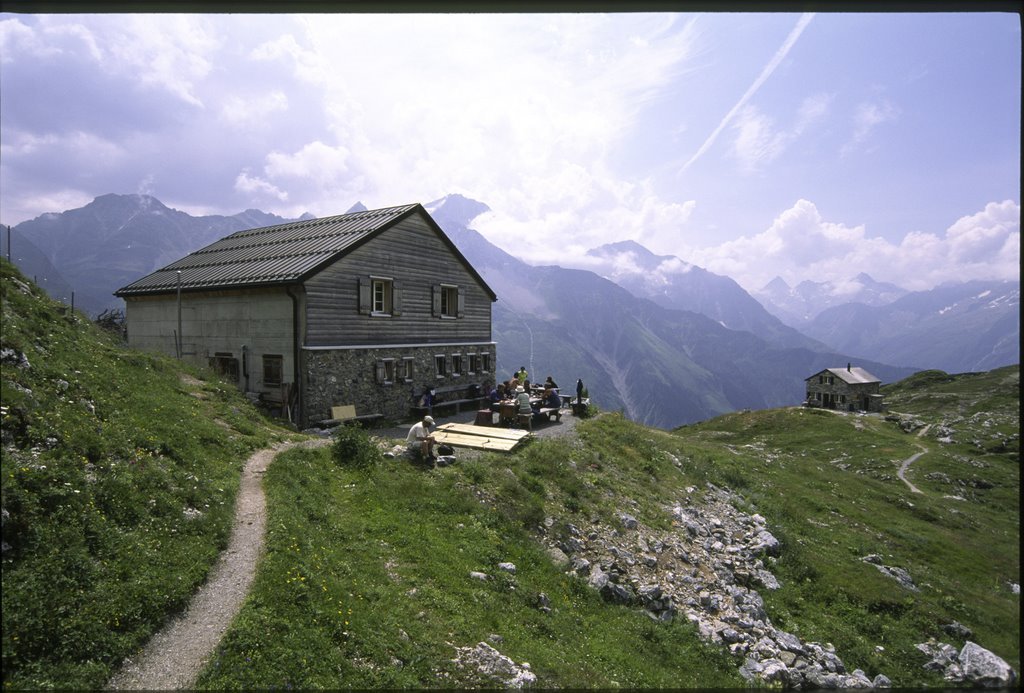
x,y
173,657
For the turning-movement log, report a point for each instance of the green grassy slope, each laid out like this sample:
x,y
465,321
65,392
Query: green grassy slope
x,y
119,475
828,483
366,582
118,490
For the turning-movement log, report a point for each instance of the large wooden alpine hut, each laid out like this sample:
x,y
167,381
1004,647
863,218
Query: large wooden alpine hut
x,y
364,309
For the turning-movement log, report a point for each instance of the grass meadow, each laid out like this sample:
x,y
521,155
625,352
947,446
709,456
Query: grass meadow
x,y
120,471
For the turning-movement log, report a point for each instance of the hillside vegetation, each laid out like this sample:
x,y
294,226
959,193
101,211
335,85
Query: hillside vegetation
x,y
119,476
118,487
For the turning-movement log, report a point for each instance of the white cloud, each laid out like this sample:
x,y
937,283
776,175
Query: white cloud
x,y
557,231
867,117
56,199
259,187
801,245
529,135
307,64
79,148
812,109
758,142
766,72
316,164
252,111
992,234
18,41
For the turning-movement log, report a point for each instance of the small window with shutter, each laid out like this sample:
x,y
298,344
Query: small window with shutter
x,y
386,371
380,296
448,301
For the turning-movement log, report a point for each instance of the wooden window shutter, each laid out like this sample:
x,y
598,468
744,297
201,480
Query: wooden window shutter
x,y
460,310
364,295
396,298
435,300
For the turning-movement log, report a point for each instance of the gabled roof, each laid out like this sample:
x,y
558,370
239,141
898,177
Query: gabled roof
x,y
282,254
851,376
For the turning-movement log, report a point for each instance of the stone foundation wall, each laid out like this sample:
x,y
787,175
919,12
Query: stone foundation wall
x,y
351,376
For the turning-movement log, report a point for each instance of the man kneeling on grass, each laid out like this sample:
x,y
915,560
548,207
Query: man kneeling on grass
x,y
420,440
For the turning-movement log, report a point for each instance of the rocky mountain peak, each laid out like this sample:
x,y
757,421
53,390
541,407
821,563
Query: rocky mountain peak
x,y
455,210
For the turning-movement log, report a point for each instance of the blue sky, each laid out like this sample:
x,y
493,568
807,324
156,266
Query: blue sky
x,y
809,146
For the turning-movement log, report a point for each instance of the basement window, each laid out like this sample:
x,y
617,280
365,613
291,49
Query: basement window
x,y
405,370
225,364
386,371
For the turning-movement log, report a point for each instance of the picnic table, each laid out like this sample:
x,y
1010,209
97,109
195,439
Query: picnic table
x,y
509,415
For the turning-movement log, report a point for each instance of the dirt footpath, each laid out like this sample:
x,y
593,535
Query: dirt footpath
x,y
173,657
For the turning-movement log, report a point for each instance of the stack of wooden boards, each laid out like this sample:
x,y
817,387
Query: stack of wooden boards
x,y
479,437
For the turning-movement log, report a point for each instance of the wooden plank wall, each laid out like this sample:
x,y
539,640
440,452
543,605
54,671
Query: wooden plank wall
x,y
417,259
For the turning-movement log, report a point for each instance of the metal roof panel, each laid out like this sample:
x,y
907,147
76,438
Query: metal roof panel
x,y
281,253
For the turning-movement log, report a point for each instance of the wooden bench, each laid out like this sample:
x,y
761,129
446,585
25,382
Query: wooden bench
x,y
453,397
346,413
551,413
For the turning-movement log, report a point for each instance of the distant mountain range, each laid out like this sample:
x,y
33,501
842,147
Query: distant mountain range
x,y
800,305
661,365
114,240
672,283
666,342
956,327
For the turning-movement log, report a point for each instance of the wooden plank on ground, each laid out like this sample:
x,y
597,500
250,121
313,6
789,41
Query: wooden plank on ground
x,y
462,440
488,431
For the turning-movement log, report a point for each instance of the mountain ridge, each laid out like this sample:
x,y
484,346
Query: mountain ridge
x,y
686,347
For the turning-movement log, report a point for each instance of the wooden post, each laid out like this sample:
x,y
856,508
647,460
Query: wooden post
x,y
177,335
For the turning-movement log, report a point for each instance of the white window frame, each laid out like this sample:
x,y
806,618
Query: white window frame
x,y
381,296
449,300
406,370
442,361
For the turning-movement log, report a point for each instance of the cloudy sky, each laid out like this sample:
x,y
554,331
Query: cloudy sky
x,y
754,145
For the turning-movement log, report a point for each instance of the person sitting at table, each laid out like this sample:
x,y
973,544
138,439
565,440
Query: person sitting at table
x,y
551,398
551,384
523,407
495,396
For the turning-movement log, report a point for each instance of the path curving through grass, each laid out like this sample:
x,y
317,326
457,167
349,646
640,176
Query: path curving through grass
x,y
910,460
174,656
